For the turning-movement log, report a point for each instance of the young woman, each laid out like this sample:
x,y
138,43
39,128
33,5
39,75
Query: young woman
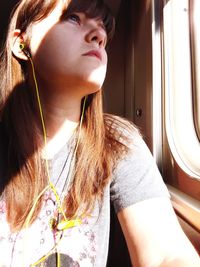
x,y
62,159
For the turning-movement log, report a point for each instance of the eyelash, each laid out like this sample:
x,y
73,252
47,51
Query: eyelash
x,y
74,18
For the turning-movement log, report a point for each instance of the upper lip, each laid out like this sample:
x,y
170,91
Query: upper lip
x,y
95,53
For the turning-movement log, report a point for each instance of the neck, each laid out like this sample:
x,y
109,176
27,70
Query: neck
x,y
61,108
61,116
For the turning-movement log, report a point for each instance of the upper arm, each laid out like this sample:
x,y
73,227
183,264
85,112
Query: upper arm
x,y
153,234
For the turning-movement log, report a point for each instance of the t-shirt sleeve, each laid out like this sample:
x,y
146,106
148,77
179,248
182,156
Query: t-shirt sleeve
x,y
136,177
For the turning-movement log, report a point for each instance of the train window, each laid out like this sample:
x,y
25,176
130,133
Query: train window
x,y
179,96
195,48
180,51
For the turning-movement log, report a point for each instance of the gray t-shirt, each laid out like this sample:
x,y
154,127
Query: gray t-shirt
x,y
135,178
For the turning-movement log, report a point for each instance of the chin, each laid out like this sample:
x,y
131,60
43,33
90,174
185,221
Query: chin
x,y
93,82
97,75
93,87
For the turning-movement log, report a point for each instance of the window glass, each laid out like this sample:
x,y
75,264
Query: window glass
x,y
195,52
178,86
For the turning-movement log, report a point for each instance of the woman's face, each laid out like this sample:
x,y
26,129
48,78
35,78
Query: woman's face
x,y
69,53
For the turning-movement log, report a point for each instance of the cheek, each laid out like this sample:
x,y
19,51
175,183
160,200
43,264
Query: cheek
x,y
47,48
42,29
50,57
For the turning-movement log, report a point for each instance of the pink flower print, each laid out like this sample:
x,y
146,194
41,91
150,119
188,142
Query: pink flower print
x,y
2,206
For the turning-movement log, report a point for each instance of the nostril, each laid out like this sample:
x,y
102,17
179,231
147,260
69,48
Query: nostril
x,y
97,40
94,38
97,35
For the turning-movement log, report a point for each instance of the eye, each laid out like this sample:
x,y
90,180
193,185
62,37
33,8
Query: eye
x,y
74,18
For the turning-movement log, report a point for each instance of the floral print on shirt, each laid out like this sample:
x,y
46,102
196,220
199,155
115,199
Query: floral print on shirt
x,y
77,246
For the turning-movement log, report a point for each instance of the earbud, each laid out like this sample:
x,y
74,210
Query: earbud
x,y
22,47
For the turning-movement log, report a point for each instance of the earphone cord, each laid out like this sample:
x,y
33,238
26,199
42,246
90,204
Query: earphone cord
x,y
50,185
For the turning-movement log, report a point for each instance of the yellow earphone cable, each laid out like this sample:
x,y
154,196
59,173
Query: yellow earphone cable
x,y
45,137
67,223
45,141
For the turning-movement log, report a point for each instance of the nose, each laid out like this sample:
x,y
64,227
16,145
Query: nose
x,y
97,35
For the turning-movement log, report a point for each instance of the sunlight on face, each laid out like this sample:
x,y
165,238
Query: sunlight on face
x,y
97,73
41,28
70,51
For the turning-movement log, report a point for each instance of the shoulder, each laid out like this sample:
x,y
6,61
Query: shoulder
x,y
122,129
136,176
119,123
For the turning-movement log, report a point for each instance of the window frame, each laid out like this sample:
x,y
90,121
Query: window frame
x,y
194,7
177,83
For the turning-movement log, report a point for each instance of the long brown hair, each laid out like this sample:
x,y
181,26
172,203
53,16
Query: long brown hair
x,y
99,146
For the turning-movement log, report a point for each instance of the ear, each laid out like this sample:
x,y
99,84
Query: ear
x,y
17,43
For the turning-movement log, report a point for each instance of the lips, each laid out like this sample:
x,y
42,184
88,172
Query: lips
x,y
94,53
